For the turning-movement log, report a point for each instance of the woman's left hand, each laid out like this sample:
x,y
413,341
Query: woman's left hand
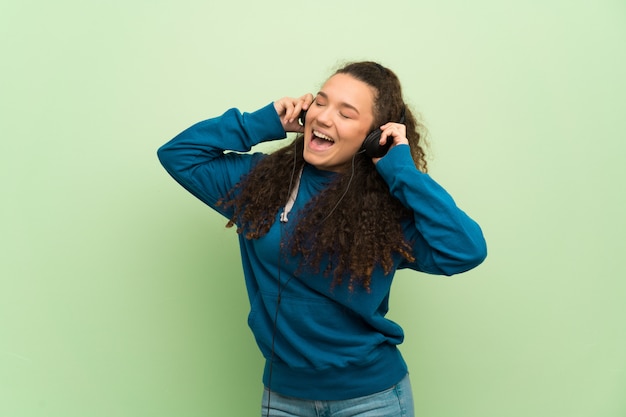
x,y
395,132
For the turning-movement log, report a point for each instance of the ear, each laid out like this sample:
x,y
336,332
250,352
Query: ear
x,y
371,145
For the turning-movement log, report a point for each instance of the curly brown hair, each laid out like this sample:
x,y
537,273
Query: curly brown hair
x,y
365,229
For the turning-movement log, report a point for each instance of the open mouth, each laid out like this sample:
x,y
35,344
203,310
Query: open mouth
x,y
320,141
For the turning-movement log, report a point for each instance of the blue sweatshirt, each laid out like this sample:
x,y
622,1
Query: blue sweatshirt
x,y
325,343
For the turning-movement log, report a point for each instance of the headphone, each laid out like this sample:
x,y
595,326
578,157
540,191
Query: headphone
x,y
371,145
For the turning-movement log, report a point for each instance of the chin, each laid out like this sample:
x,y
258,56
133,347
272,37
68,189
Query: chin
x,y
310,158
314,159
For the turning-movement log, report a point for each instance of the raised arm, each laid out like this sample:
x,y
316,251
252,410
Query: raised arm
x,y
197,158
446,240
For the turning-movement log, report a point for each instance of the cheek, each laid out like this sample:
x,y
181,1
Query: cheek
x,y
354,139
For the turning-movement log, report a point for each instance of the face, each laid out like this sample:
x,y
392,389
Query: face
x,y
337,122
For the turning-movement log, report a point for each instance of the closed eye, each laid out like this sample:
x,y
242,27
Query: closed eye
x,y
318,103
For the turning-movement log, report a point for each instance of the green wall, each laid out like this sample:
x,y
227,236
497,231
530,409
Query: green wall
x,y
122,296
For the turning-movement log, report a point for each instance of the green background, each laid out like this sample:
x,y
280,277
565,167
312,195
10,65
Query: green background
x,y
121,295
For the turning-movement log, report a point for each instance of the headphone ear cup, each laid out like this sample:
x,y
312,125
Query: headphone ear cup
x,y
372,147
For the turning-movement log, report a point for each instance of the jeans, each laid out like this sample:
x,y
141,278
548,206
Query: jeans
x,y
396,401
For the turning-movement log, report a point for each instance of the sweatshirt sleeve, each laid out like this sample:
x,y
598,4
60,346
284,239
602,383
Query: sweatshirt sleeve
x,y
197,158
445,240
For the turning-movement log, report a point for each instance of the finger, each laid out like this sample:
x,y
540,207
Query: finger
x,y
394,133
385,137
295,111
285,105
299,105
289,110
302,104
390,129
393,124
307,101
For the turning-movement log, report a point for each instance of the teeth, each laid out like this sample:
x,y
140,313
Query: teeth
x,y
322,136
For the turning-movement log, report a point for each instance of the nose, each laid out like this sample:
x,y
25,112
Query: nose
x,y
324,116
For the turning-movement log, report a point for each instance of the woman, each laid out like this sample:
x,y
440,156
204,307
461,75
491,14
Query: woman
x,y
323,225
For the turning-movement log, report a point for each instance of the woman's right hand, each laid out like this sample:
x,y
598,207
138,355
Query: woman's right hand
x,y
289,108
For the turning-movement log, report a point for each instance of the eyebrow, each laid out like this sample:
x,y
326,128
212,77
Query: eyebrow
x,y
342,104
